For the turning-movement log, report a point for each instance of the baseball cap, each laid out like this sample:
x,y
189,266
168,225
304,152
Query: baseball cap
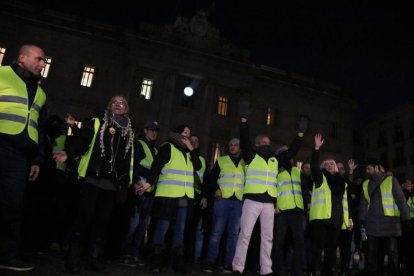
x,y
152,125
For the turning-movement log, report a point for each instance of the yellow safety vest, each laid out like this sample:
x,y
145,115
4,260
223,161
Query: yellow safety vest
x,y
60,143
261,176
231,178
289,190
410,203
147,161
177,176
321,204
84,161
199,176
14,110
388,203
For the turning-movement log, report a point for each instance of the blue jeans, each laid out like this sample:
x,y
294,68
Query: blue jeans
x,y
199,238
138,224
178,231
227,212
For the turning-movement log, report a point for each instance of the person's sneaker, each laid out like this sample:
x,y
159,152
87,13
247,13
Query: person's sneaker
x,y
137,261
128,262
16,265
227,269
236,272
209,268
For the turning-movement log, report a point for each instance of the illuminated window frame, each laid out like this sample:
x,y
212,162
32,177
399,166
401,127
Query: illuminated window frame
x,y
146,88
222,106
2,54
269,116
45,71
87,76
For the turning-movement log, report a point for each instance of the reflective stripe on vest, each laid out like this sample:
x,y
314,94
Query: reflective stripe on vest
x,y
321,204
177,177
388,203
261,176
14,109
289,190
84,161
147,161
231,178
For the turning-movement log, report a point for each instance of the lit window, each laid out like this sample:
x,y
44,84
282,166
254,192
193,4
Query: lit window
x,y
222,106
146,88
269,117
87,76
217,150
45,71
2,52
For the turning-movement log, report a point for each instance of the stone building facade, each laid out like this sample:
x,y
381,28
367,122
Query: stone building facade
x,y
390,139
165,59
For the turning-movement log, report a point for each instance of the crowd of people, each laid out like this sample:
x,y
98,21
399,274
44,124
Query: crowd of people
x,y
102,190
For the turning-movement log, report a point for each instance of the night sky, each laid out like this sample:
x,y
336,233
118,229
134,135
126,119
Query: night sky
x,y
366,49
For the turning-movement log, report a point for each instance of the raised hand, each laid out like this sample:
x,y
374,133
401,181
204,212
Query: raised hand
x,y
318,141
352,165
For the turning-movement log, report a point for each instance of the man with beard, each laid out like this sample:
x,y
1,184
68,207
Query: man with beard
x,y
21,145
383,209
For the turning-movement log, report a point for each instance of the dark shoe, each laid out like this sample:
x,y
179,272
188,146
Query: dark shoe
x,y
236,272
16,265
128,261
137,261
209,268
227,269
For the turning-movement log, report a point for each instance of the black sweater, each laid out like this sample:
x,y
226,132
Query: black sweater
x,y
249,153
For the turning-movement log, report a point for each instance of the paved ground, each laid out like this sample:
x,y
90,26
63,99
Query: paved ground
x,y
50,264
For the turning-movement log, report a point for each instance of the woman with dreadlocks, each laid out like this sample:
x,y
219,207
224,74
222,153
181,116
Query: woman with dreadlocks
x,y
105,146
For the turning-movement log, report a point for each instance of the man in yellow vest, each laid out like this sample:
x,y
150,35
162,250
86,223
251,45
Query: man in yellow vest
x,y
292,198
21,145
383,209
260,190
407,239
227,182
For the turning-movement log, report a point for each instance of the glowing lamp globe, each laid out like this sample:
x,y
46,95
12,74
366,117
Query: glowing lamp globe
x,y
188,91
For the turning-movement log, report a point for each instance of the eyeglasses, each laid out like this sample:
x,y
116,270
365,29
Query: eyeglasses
x,y
122,103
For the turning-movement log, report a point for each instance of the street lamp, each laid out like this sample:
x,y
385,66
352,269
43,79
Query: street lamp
x,y
188,91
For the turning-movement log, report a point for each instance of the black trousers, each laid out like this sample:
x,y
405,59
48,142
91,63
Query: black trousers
x,y
13,179
375,260
283,223
345,240
95,209
323,237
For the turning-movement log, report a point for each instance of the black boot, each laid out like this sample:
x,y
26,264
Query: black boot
x,y
179,264
72,262
96,260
